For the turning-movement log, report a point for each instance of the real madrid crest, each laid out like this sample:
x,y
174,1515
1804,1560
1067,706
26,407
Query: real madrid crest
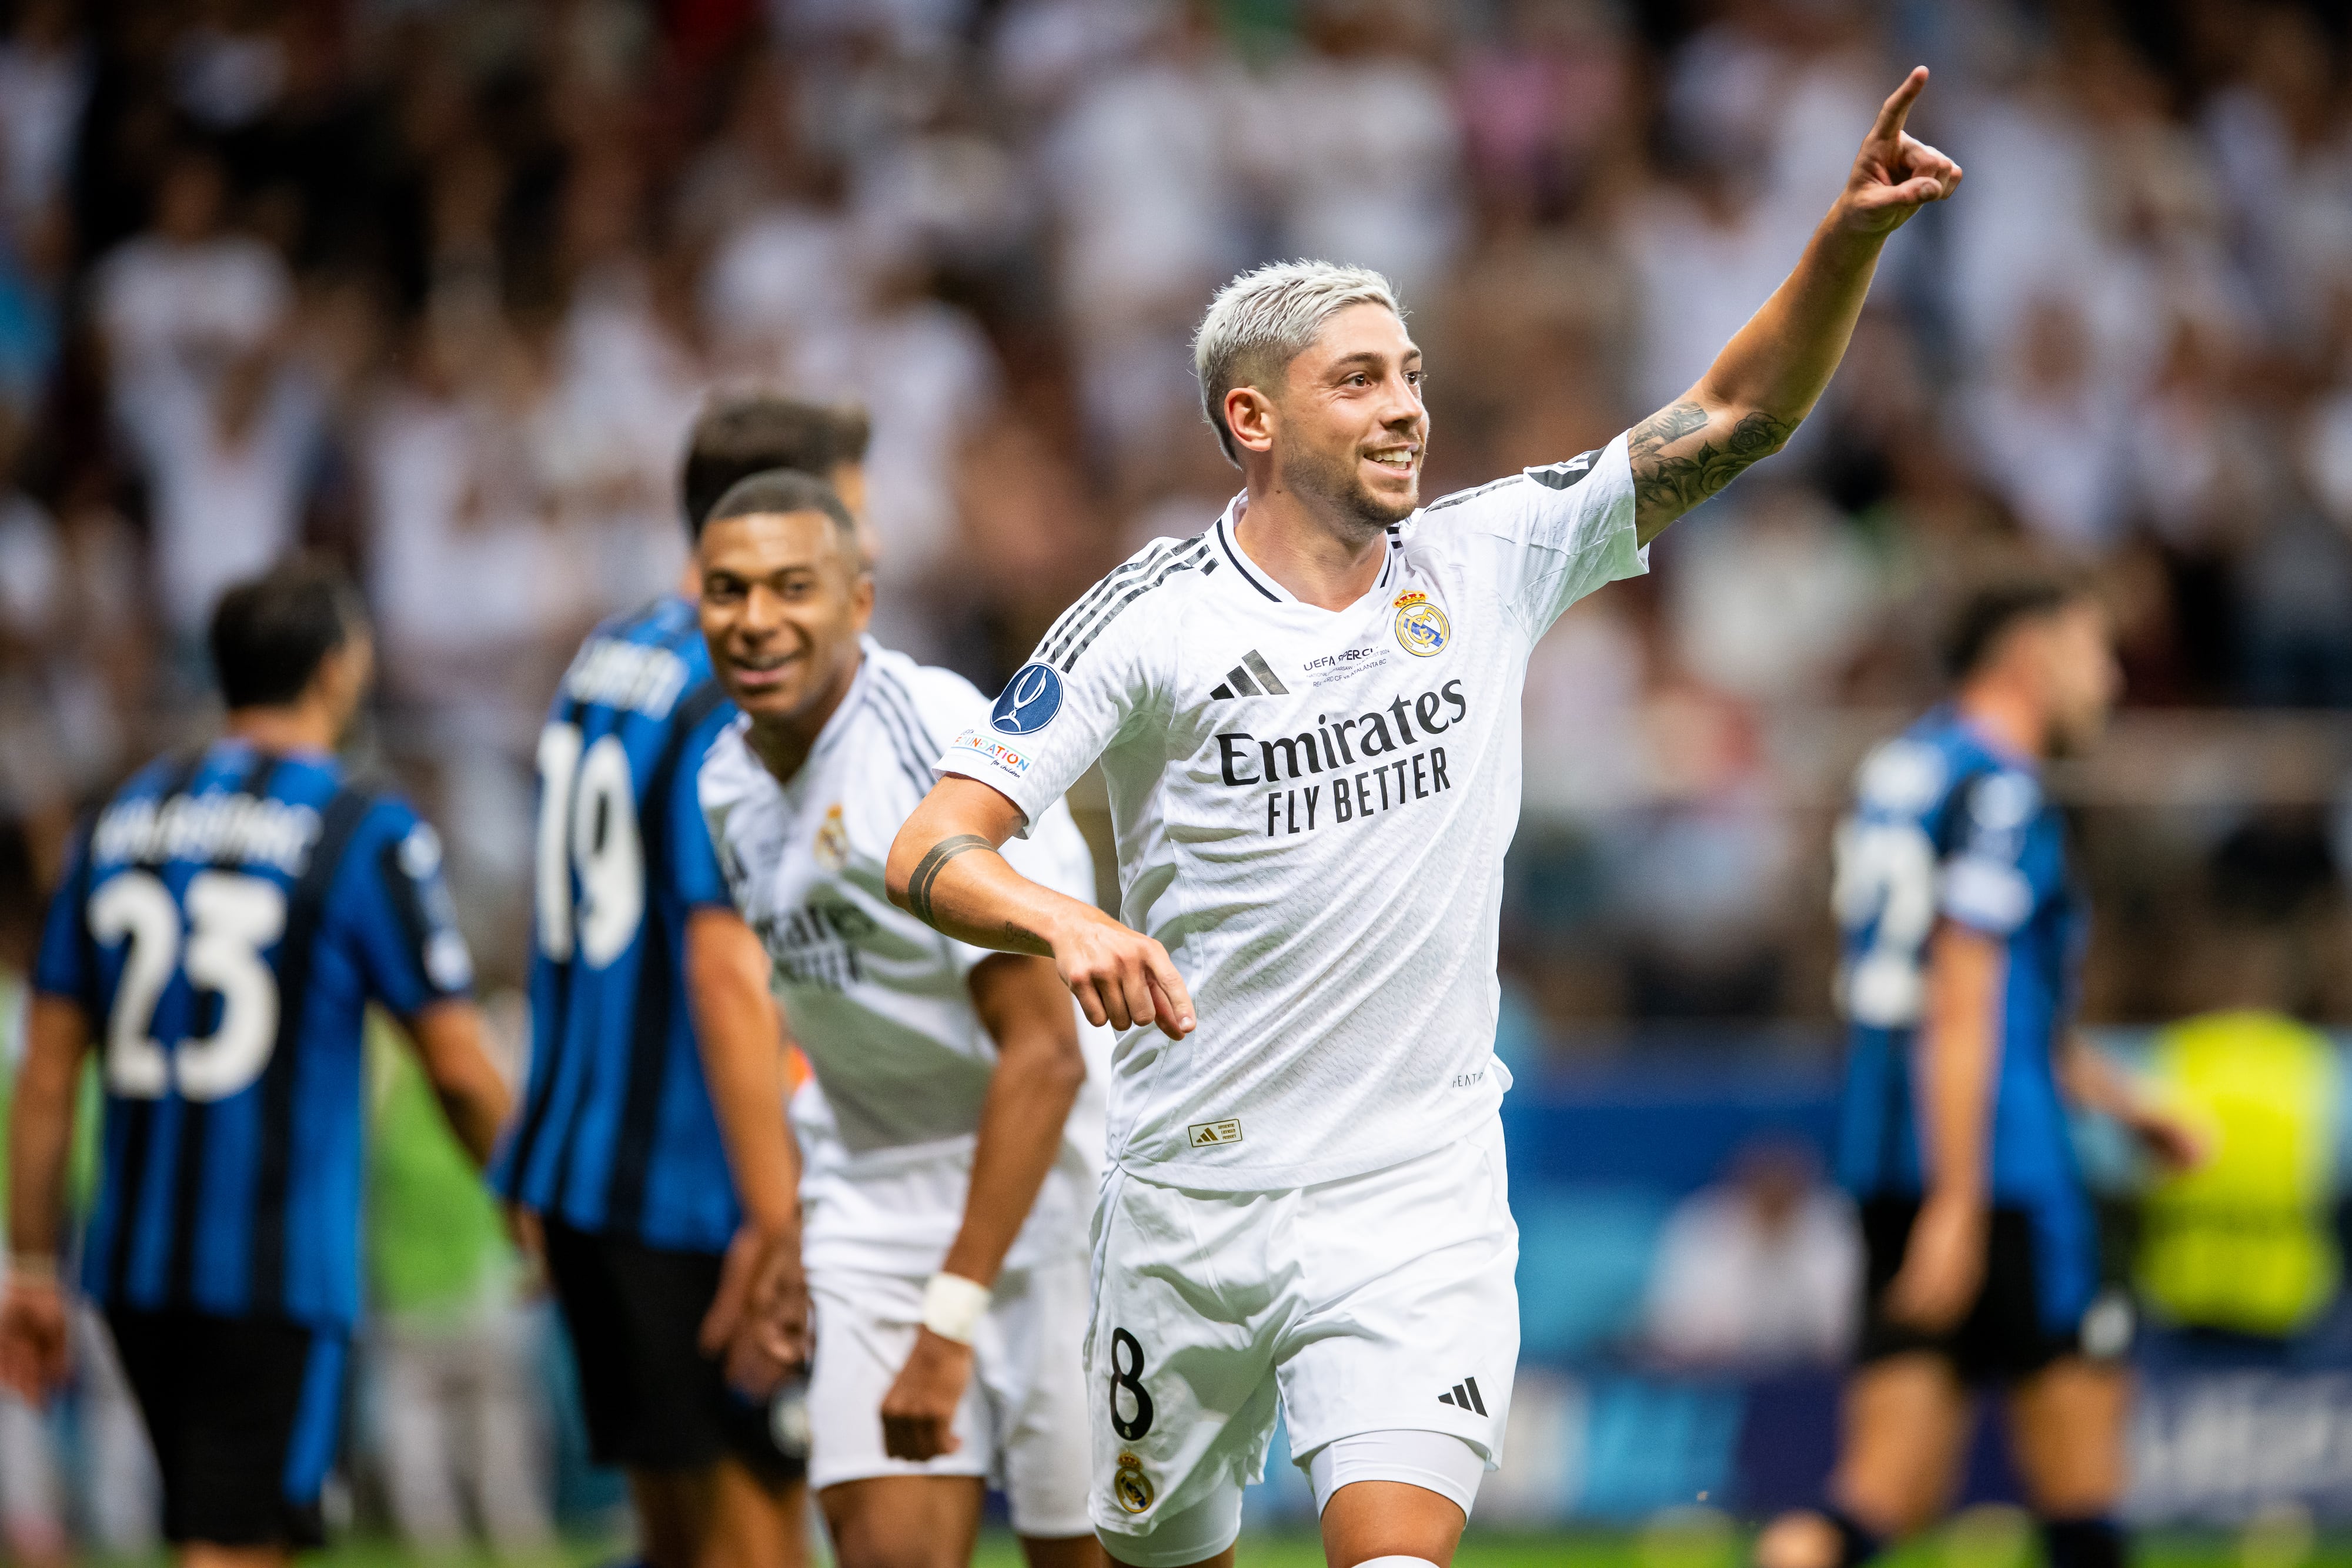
x,y
833,840
1420,626
1132,1488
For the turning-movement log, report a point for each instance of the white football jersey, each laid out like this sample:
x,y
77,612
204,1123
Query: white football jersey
x,y
1311,808
877,998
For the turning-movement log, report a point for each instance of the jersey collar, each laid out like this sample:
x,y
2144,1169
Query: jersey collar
x,y
1225,541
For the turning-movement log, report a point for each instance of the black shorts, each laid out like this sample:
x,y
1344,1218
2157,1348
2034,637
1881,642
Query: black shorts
x,y
2006,1335
244,1414
653,1400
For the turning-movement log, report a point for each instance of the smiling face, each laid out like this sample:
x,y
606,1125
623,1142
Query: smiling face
x,y
783,601
1347,426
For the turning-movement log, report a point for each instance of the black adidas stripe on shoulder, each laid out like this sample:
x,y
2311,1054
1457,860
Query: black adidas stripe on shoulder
x,y
1472,494
902,698
917,768
1189,558
1081,621
1065,624
1569,474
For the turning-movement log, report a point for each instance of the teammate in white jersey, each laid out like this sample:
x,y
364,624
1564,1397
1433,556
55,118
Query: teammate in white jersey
x,y
951,1136
1307,717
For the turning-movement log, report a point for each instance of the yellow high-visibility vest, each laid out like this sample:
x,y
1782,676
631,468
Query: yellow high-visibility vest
x,y
2243,1241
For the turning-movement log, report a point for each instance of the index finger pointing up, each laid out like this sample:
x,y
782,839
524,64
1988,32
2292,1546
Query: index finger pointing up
x,y
1897,108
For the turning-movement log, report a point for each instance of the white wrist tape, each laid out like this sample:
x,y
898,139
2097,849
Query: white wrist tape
x,y
952,1307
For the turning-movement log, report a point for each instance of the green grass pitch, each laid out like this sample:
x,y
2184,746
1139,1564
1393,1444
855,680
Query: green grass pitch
x,y
1596,1548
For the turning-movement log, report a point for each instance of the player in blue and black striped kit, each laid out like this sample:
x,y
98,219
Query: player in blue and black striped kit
x,y
655,1153
221,927
1964,932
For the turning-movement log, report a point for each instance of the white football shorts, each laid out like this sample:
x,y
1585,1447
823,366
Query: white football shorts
x,y
1376,1303
1023,1422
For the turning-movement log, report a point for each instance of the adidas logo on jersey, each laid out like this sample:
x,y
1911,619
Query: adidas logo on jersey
x,y
1464,1395
1238,683
1208,1135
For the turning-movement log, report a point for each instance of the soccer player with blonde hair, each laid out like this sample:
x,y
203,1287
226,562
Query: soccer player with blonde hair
x,y
1308,719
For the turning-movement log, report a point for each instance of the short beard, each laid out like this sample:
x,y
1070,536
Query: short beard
x,y
1335,483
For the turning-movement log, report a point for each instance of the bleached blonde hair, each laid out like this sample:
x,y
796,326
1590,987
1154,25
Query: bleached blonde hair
x,y
1262,321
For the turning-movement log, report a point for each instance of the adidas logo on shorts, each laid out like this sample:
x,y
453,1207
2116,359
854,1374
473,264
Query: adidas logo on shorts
x,y
1238,683
1464,1395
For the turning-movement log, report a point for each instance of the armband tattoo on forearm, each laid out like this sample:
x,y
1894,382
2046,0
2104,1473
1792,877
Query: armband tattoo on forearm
x,y
927,872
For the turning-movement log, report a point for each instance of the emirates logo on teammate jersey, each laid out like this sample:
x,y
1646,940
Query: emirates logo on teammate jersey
x,y
818,944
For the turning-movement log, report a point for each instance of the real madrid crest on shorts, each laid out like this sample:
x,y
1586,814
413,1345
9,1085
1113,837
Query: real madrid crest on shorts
x,y
1131,1486
833,840
1420,626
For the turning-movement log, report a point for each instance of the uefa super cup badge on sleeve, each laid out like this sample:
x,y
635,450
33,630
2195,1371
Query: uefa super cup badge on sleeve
x,y
1029,701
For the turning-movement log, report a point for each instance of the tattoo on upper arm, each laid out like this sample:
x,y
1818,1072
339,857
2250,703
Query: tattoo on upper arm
x,y
1676,483
1665,427
927,872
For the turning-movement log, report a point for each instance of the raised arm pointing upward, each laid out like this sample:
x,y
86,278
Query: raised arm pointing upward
x,y
1330,442
1307,718
1767,378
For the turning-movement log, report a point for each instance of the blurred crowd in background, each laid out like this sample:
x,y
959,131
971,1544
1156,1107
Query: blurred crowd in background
x,y
435,285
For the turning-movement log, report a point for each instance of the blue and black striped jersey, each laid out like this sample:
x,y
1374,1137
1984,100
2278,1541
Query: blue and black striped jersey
x,y
1948,826
617,1135
223,923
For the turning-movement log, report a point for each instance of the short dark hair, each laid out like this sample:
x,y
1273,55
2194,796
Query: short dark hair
x,y
272,632
784,491
739,435
1992,607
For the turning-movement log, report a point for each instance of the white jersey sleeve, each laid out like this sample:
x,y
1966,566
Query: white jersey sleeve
x,y
1097,677
1567,528
1050,851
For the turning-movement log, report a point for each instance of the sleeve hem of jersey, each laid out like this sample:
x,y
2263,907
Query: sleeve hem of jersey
x,y
1976,918
1987,897
1619,457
